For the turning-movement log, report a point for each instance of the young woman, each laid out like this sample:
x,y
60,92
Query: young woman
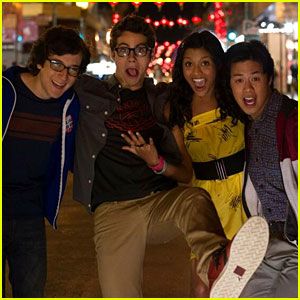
x,y
214,140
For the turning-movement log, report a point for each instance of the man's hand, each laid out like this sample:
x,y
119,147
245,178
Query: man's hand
x,y
139,147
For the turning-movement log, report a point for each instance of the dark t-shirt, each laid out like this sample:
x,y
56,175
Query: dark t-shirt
x,y
34,126
119,174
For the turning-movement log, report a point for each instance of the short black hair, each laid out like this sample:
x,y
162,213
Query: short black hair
x,y
59,40
136,24
252,50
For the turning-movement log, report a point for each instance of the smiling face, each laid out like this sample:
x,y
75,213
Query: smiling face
x,y
200,72
52,84
131,69
250,87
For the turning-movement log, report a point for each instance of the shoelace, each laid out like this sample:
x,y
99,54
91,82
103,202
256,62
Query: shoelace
x,y
218,253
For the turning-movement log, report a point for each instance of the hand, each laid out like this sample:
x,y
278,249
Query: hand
x,y
139,147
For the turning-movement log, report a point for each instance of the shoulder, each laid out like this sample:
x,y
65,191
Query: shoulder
x,y
88,87
86,80
288,106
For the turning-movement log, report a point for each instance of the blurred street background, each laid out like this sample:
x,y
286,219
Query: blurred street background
x,y
275,24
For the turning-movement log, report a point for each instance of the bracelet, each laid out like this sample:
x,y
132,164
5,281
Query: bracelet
x,y
159,166
163,170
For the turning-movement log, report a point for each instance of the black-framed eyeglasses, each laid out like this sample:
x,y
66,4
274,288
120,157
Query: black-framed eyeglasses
x,y
139,51
58,66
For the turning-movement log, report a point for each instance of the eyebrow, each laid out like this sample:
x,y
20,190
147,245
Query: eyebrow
x,y
126,45
58,60
204,57
253,73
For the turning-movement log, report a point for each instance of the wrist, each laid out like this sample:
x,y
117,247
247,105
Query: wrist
x,y
160,167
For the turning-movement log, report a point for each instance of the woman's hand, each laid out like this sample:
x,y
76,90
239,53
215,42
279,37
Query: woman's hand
x,y
139,147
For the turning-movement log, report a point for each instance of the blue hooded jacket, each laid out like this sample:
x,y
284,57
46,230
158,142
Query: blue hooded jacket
x,y
62,152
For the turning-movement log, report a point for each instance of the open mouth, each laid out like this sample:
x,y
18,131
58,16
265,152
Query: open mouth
x,y
58,85
249,100
132,72
199,83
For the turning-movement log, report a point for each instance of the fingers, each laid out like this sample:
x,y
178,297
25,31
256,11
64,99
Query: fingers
x,y
134,139
140,139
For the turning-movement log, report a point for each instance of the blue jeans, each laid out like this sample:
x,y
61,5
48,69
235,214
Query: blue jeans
x,y
24,247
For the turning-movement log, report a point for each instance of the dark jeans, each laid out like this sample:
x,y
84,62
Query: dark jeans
x,y
24,247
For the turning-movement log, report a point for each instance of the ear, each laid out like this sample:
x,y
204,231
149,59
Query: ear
x,y
270,80
112,55
153,53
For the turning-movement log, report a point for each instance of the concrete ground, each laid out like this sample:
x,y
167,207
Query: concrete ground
x,y
72,269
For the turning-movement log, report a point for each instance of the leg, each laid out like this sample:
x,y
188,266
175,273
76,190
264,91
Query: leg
x,y
277,274
120,240
192,211
198,288
27,258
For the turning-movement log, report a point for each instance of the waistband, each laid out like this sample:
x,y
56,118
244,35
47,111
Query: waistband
x,y
220,168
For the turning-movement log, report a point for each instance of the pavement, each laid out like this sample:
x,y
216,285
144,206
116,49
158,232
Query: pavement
x,y
72,267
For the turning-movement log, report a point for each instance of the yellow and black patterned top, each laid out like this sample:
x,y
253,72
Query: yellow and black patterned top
x,y
209,139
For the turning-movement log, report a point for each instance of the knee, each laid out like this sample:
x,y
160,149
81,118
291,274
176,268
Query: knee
x,y
199,197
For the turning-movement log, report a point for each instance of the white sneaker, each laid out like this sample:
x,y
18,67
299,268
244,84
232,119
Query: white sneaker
x,y
247,251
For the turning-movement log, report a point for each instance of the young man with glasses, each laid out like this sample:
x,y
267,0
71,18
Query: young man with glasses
x,y
40,114
127,165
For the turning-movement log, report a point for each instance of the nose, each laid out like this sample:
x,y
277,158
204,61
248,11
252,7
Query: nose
x,y
197,70
64,73
248,85
131,54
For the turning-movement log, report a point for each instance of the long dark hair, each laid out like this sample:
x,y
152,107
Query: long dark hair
x,y
182,93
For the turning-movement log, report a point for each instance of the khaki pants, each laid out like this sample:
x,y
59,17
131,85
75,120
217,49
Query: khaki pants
x,y
123,228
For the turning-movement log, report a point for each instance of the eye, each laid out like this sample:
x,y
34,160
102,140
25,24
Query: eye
x,y
255,78
74,71
56,65
238,80
122,51
141,50
187,64
205,63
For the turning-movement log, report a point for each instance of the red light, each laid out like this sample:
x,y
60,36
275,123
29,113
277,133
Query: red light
x,y
166,44
164,21
115,18
148,20
156,23
113,5
179,21
181,4
218,5
196,19
159,5
211,17
136,5
185,22
171,23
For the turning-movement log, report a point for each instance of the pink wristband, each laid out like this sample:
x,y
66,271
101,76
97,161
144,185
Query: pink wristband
x,y
158,167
